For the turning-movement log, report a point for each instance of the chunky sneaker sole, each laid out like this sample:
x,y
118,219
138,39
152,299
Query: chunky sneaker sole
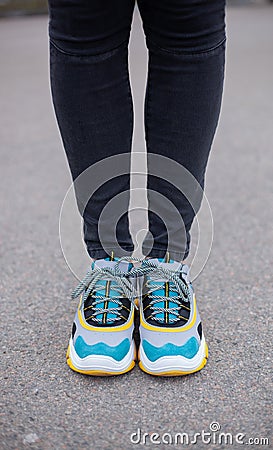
x,y
174,365
101,341
100,365
172,340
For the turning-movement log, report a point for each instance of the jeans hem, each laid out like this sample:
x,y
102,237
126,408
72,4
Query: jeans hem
x,y
160,253
100,253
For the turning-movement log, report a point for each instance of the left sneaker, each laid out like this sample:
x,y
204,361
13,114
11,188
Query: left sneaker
x,y
171,337
102,341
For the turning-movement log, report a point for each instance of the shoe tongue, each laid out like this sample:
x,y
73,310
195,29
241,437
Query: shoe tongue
x,y
172,265
101,263
101,287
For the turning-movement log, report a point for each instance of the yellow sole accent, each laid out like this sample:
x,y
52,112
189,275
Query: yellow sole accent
x,y
175,373
97,373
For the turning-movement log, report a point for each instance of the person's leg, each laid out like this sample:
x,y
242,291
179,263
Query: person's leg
x,y
186,42
93,105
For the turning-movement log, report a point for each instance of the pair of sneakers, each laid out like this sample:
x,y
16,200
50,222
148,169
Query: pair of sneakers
x,y
170,330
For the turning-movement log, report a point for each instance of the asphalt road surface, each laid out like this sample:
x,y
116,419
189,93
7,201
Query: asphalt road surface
x,y
44,405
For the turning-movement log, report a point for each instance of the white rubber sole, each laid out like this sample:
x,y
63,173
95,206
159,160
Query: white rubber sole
x,y
100,364
174,365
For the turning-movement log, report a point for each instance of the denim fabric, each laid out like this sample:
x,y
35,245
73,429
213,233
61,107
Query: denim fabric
x,y
93,103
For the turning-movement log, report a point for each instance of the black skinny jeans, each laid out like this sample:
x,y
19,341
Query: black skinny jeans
x,y
93,105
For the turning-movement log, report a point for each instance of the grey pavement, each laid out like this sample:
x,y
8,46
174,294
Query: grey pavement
x,y
44,405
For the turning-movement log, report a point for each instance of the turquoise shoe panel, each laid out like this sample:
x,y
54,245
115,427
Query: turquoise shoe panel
x,y
188,350
118,352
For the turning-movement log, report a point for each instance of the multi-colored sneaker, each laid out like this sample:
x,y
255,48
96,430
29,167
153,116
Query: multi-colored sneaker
x,y
171,337
102,342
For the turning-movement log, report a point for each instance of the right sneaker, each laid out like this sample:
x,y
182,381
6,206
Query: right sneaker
x,y
172,340
102,342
